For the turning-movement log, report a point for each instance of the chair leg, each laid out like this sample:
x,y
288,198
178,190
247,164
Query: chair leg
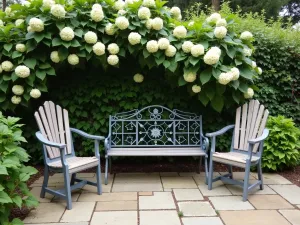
x,y
246,183
73,178
106,169
210,174
200,164
230,171
68,189
260,176
206,170
99,183
45,182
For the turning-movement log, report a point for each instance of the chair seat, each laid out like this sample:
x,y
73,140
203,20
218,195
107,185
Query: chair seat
x,y
233,158
76,163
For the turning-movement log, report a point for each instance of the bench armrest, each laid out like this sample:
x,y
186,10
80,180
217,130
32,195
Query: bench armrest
x,y
261,138
106,143
41,138
86,135
220,132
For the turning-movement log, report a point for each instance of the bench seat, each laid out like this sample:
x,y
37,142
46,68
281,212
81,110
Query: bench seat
x,y
158,151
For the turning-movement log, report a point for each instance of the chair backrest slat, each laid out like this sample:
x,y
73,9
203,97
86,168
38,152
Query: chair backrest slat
x,y
261,128
237,130
54,121
60,124
68,132
243,126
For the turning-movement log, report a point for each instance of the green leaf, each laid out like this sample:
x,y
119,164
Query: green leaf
x,y
4,198
8,47
216,73
203,98
173,66
75,43
17,200
63,53
78,32
41,74
246,72
220,88
31,202
3,170
243,87
4,86
217,103
31,62
205,75
24,177
38,37
181,81
56,42
17,221
16,54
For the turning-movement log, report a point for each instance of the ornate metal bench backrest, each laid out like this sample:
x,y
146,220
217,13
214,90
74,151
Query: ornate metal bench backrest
x,y
155,126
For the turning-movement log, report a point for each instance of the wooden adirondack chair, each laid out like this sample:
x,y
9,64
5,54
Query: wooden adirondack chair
x,y
58,151
246,146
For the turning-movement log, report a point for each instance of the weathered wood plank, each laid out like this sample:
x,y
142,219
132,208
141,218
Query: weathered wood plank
x,y
261,128
237,128
60,125
248,123
243,127
67,131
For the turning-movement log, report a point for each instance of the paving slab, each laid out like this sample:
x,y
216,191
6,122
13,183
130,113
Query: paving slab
x,y
36,191
202,221
79,175
81,211
90,188
269,202
274,178
159,200
200,178
117,206
136,178
230,203
107,197
190,174
253,217
196,209
291,215
145,193
73,223
178,182
74,196
289,192
219,189
114,218
133,187
159,218
187,194
238,190
240,175
45,213
169,174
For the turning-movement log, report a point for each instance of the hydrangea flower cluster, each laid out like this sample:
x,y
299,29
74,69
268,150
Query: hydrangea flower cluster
x,y
99,48
249,93
7,66
113,48
73,59
22,71
220,32
197,50
231,75
18,89
149,3
90,37
246,35
157,23
180,32
113,60
97,14
196,88
36,25
67,34
21,47
122,22
152,46
110,29
47,4
54,57
170,51
119,5
163,43
144,13
187,46
212,56
138,78
134,38
176,13
16,100
58,11
19,22
35,93
189,77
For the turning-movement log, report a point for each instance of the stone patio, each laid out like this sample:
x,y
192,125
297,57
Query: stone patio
x,y
169,199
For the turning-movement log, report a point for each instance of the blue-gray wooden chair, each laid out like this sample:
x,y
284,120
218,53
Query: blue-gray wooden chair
x,y
58,151
246,146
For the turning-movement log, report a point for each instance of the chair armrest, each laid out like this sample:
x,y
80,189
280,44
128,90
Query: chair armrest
x,y
41,138
205,143
261,138
106,143
86,135
220,132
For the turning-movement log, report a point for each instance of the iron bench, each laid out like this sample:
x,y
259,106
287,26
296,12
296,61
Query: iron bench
x,y
155,131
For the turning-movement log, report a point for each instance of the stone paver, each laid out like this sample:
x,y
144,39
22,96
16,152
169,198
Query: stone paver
x,y
196,209
45,213
74,223
240,175
219,189
253,217
269,202
90,188
187,194
238,190
106,197
129,187
114,218
289,192
273,178
74,196
169,174
230,203
36,191
81,211
202,221
160,200
117,206
291,215
159,218
145,193
189,174
178,182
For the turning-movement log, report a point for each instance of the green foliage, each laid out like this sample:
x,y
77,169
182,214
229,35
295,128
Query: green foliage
x,y
282,148
13,173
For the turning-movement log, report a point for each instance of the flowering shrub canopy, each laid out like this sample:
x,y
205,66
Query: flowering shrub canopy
x,y
207,56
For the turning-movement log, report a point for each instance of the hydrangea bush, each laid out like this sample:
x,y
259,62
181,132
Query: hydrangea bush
x,y
205,55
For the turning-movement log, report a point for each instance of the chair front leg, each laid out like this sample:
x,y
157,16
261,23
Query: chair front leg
x,y
73,178
211,163
45,182
106,169
260,177
230,171
246,181
67,187
99,182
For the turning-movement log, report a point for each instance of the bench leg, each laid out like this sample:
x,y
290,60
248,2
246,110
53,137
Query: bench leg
x,y
73,178
106,169
45,182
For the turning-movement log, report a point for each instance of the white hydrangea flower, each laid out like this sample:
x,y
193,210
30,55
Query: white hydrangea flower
x,y
138,78
259,70
16,100
1,23
21,47
149,3
19,22
29,29
47,4
211,57
113,60
122,22
216,49
58,11
67,34
235,72
157,24
247,51
134,38
249,93
163,43
27,3
97,14
180,32
225,78
18,89
170,51
36,25
220,32
149,24
119,5
196,88
35,93
22,71
90,37
96,6
191,24
144,13
175,12
189,77
113,48
246,35
7,66
110,29
221,23
213,18
54,57
121,12
1,69
73,59
152,46
187,46
99,48
7,11
253,64
197,50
